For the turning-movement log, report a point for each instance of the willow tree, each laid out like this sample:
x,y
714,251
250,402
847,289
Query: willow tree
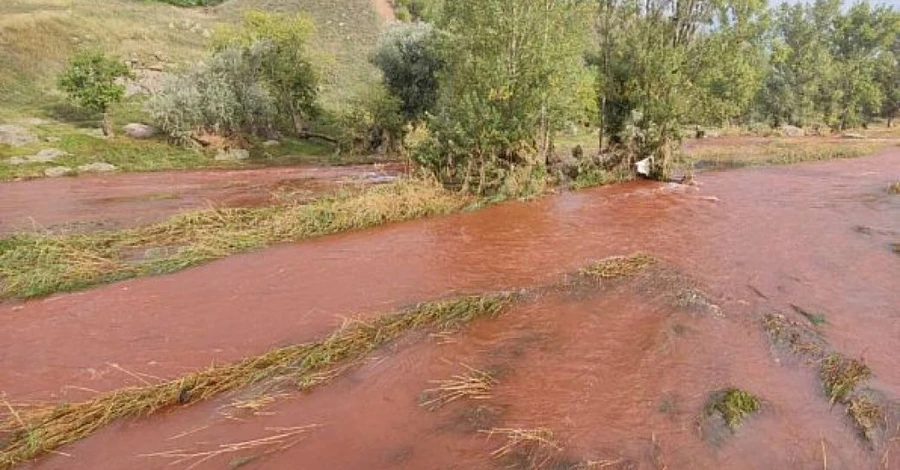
x,y
505,87
666,63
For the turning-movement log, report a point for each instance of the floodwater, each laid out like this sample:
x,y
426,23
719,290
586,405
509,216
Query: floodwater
x,y
113,201
619,374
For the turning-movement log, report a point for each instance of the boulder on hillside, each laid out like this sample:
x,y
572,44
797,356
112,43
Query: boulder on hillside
x,y
97,167
16,136
139,131
792,131
58,171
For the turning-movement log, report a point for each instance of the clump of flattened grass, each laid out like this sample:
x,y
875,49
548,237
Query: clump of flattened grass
x,y
866,414
31,432
37,265
840,376
799,339
618,266
529,448
733,405
474,384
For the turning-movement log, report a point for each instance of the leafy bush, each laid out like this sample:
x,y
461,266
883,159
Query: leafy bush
x,y
372,124
410,63
259,80
286,65
224,96
92,80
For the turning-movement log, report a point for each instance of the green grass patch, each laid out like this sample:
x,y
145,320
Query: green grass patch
x,y
840,376
34,431
733,405
35,265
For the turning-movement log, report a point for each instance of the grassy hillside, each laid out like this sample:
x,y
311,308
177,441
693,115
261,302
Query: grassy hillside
x,y
38,36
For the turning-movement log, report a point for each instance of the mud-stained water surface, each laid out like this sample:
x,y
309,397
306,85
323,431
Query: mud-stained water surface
x,y
107,202
616,374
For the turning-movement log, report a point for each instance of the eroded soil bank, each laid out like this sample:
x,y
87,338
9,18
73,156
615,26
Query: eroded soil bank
x,y
619,374
113,201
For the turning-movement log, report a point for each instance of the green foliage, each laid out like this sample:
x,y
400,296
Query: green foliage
x,y
223,96
733,405
92,80
260,79
286,64
505,87
409,60
374,123
419,10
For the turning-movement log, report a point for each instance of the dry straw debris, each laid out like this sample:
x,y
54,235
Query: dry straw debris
x,y
27,433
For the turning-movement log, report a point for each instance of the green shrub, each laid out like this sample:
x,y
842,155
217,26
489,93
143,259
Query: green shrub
x,y
372,124
92,80
224,96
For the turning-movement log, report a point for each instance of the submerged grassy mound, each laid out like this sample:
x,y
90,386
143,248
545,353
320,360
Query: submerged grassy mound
x,y
733,405
618,266
32,432
840,376
36,265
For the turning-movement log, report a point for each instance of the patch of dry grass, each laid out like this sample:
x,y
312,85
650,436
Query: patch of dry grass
x,y
841,375
278,440
29,432
894,188
866,414
530,448
474,384
37,265
618,266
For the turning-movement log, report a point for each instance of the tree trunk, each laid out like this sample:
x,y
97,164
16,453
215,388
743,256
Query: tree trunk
x,y
107,125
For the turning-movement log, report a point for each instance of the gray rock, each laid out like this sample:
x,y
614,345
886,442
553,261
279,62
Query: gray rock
x,y
97,167
58,171
16,136
232,155
44,156
47,155
792,131
139,131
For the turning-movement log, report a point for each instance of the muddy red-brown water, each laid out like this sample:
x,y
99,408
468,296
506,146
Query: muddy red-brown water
x,y
617,376
89,203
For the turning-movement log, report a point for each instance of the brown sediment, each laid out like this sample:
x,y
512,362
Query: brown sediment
x,y
114,201
611,359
